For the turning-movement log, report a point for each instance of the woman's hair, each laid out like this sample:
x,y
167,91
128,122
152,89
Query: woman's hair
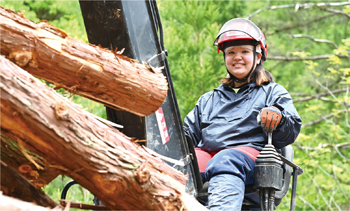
x,y
259,76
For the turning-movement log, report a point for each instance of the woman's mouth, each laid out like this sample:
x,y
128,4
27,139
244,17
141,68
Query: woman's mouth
x,y
238,65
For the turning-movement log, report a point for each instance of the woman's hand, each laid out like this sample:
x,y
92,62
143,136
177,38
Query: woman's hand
x,y
269,118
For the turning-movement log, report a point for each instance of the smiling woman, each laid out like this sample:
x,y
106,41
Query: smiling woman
x,y
241,60
229,125
301,35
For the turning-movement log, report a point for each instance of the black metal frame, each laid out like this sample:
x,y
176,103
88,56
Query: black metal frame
x,y
135,25
66,188
296,171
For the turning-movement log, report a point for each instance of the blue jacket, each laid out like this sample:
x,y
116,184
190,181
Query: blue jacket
x,y
225,119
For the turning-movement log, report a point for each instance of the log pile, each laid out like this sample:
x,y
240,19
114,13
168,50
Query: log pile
x,y
15,185
46,134
30,165
107,77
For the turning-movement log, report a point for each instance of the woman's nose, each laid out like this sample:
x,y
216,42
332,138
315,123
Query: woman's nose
x,y
237,56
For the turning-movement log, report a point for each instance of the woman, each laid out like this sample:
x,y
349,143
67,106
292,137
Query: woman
x,y
229,125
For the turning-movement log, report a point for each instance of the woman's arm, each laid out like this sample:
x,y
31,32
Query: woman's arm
x,y
288,129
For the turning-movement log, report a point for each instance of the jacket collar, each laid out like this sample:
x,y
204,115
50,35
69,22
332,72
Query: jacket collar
x,y
223,87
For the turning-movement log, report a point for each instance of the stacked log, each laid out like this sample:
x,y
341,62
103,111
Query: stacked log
x,y
12,204
105,76
15,185
44,134
30,165
96,155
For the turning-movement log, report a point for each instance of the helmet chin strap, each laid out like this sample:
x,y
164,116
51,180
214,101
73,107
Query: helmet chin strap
x,y
245,78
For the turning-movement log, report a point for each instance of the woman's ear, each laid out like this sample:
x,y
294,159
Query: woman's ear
x,y
258,60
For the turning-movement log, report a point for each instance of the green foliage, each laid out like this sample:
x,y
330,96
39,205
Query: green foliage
x,y
75,193
20,6
190,30
65,15
90,106
322,148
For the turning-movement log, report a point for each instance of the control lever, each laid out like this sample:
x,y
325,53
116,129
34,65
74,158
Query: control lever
x,y
268,174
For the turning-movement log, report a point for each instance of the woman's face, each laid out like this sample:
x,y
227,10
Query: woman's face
x,y
239,60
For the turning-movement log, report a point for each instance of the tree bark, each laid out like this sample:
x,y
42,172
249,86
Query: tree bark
x,y
93,72
11,204
15,185
122,174
30,165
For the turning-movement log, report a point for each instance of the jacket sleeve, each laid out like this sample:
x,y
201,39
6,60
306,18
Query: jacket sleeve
x,y
288,129
193,120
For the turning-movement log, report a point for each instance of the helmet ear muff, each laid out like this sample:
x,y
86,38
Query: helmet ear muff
x,y
221,47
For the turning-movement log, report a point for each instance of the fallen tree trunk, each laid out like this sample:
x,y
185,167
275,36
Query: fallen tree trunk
x,y
93,72
15,185
11,204
33,167
119,172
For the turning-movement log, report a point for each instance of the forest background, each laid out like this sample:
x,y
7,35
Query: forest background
x,y
308,53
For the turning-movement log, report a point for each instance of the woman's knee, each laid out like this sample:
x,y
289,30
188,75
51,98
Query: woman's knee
x,y
231,161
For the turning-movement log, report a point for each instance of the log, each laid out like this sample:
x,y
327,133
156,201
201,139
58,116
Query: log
x,y
90,71
11,204
15,185
30,165
122,174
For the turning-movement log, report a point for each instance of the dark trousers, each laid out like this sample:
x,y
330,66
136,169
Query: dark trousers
x,y
228,171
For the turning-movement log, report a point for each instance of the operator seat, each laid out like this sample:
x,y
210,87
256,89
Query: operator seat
x,y
251,197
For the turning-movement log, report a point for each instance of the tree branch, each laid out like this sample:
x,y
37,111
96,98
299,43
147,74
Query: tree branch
x,y
334,146
313,39
329,100
306,149
307,203
318,96
344,145
338,12
300,24
298,145
299,94
323,118
299,6
339,185
330,92
319,190
285,58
